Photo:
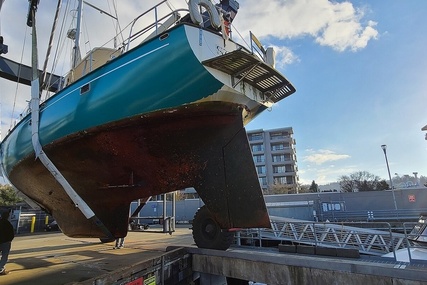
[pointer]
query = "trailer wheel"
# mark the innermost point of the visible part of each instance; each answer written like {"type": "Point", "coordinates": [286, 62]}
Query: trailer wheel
{"type": "Point", "coordinates": [207, 233]}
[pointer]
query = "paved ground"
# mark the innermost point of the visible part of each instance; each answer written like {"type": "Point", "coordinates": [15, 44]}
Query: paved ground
{"type": "Point", "coordinates": [53, 258]}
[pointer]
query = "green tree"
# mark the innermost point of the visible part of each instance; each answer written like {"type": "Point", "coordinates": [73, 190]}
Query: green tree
{"type": "Point", "coordinates": [314, 187]}
{"type": "Point", "coordinates": [8, 196]}
{"type": "Point", "coordinates": [362, 181]}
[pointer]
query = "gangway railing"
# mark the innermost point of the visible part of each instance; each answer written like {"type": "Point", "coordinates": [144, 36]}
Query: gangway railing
{"type": "Point", "coordinates": [363, 236]}
{"type": "Point", "coordinates": [416, 235]}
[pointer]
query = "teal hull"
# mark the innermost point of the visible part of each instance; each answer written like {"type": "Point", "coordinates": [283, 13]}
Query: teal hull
{"type": "Point", "coordinates": [139, 82]}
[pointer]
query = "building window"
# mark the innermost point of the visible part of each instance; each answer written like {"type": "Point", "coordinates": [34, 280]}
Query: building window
{"type": "Point", "coordinates": [278, 157]}
{"type": "Point", "coordinates": [280, 180]}
{"type": "Point", "coordinates": [279, 169]}
{"type": "Point", "coordinates": [259, 158]}
{"type": "Point", "coordinates": [260, 169]}
{"type": "Point", "coordinates": [281, 157]}
{"type": "Point", "coordinates": [289, 168]}
{"type": "Point", "coordinates": [257, 147]}
{"type": "Point", "coordinates": [255, 137]}
{"type": "Point", "coordinates": [262, 181]}
{"type": "Point", "coordinates": [280, 146]}
{"type": "Point", "coordinates": [284, 180]}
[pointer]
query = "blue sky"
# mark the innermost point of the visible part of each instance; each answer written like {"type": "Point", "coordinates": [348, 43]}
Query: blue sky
{"type": "Point", "coordinates": [359, 68]}
{"type": "Point", "coordinates": [350, 101]}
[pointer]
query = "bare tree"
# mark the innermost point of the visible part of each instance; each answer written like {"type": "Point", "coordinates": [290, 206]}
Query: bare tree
{"type": "Point", "coordinates": [362, 181]}
{"type": "Point", "coordinates": [303, 188]}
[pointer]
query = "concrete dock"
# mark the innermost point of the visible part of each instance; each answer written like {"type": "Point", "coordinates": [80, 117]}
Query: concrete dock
{"type": "Point", "coordinates": [53, 258]}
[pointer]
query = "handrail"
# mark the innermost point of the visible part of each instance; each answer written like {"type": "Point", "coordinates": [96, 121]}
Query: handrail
{"type": "Point", "coordinates": [149, 27]}
{"type": "Point", "coordinates": [414, 236]}
{"type": "Point", "coordinates": [257, 47]}
{"type": "Point", "coordinates": [139, 17]}
{"type": "Point", "coordinates": [155, 24]}
{"type": "Point", "coordinates": [345, 235]}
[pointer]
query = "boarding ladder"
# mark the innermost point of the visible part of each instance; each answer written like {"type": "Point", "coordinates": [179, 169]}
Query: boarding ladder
{"type": "Point", "coordinates": [366, 240]}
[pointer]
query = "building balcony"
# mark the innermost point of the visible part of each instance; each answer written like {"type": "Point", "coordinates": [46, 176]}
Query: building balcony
{"type": "Point", "coordinates": [283, 151]}
{"type": "Point", "coordinates": [255, 140]}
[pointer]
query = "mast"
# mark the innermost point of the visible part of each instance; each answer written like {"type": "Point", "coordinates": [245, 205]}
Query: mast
{"type": "Point", "coordinates": [76, 49]}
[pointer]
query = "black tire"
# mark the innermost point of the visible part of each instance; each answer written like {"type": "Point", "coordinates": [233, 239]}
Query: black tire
{"type": "Point", "coordinates": [107, 240]}
{"type": "Point", "coordinates": [207, 233]}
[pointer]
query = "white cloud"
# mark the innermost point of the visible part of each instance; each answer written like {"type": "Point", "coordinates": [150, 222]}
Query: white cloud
{"type": "Point", "coordinates": [324, 175]}
{"type": "Point", "coordinates": [284, 56]}
{"type": "Point", "coordinates": [322, 156]}
{"type": "Point", "coordinates": [342, 35]}
{"type": "Point", "coordinates": [334, 24]}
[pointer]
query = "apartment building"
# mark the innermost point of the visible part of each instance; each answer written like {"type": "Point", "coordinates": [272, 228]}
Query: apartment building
{"type": "Point", "coordinates": [274, 155]}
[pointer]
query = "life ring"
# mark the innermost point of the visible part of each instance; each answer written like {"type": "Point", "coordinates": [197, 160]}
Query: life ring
{"type": "Point", "coordinates": [196, 17]}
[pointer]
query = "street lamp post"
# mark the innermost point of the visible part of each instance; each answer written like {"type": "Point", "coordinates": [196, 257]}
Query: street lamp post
{"type": "Point", "coordinates": [384, 147]}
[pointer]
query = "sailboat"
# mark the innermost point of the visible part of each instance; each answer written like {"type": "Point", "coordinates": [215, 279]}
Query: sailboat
{"type": "Point", "coordinates": [164, 111]}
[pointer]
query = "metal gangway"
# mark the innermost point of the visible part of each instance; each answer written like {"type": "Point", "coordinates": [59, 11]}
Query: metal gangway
{"type": "Point", "coordinates": [371, 238]}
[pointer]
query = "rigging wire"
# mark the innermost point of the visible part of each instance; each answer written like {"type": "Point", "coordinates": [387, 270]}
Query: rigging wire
{"type": "Point", "coordinates": [119, 31]}
{"type": "Point", "coordinates": [86, 36]}
{"type": "Point", "coordinates": [241, 37]}
{"type": "Point", "coordinates": [19, 76]}
{"type": "Point", "coordinates": [59, 48]}
{"type": "Point", "coordinates": [116, 27]}
{"type": "Point", "coordinates": [115, 22]}
{"type": "Point", "coordinates": [44, 70]}
{"type": "Point", "coordinates": [63, 44]}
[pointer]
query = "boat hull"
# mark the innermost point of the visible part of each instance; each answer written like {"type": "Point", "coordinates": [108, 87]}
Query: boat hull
{"type": "Point", "coordinates": [200, 145]}
{"type": "Point", "coordinates": [151, 121]}
{"type": "Point", "coordinates": [151, 77]}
